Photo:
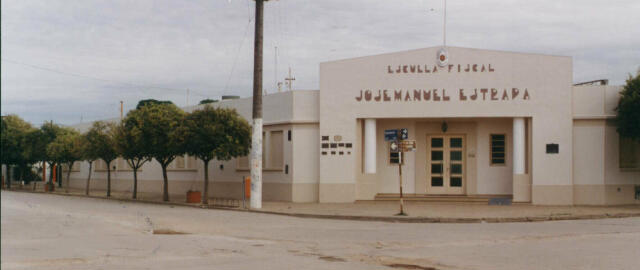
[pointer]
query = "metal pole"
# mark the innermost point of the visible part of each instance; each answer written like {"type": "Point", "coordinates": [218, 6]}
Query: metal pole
{"type": "Point", "coordinates": [401, 197]}
{"type": "Point", "coordinates": [256, 137]}
{"type": "Point", "coordinates": [444, 25]}
{"type": "Point", "coordinates": [244, 192]}
{"type": "Point", "coordinates": [275, 68]}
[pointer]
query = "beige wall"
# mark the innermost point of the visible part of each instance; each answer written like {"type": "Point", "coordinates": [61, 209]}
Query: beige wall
{"type": "Point", "coordinates": [588, 168]}
{"type": "Point", "coordinates": [494, 179]}
{"type": "Point", "coordinates": [586, 171]}
{"type": "Point", "coordinates": [480, 177]}
{"type": "Point", "coordinates": [292, 110]}
{"type": "Point", "coordinates": [598, 178]}
{"type": "Point", "coordinates": [549, 105]}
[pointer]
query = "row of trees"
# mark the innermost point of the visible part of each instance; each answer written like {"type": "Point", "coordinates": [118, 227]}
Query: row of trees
{"type": "Point", "coordinates": [155, 130]}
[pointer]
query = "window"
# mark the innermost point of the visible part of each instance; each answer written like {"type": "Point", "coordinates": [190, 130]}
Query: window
{"type": "Point", "coordinates": [242, 163]}
{"type": "Point", "coordinates": [100, 165]}
{"type": "Point", "coordinates": [183, 162]}
{"type": "Point", "coordinates": [74, 168]}
{"type": "Point", "coordinates": [274, 159]}
{"type": "Point", "coordinates": [629, 153]}
{"type": "Point", "coordinates": [498, 149]}
{"type": "Point", "coordinates": [272, 152]}
{"type": "Point", "coordinates": [179, 162]}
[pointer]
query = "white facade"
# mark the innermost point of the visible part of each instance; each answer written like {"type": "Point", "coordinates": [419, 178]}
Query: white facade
{"type": "Point", "coordinates": [488, 123]}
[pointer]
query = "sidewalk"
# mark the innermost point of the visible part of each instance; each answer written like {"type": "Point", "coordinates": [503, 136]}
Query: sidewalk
{"type": "Point", "coordinates": [418, 212]}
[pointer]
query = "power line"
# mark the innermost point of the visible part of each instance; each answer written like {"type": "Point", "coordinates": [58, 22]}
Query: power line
{"type": "Point", "coordinates": [244, 37]}
{"type": "Point", "coordinates": [97, 78]}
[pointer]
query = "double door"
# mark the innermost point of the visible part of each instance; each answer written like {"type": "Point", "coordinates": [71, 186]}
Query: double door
{"type": "Point", "coordinates": [446, 164]}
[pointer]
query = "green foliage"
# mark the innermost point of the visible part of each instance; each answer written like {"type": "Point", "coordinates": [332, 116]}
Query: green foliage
{"type": "Point", "coordinates": [207, 101]}
{"type": "Point", "coordinates": [13, 140]}
{"type": "Point", "coordinates": [628, 110]}
{"type": "Point", "coordinates": [146, 102]}
{"type": "Point", "coordinates": [35, 147]}
{"type": "Point", "coordinates": [88, 152]}
{"type": "Point", "coordinates": [66, 148]}
{"type": "Point", "coordinates": [100, 142]}
{"type": "Point", "coordinates": [216, 133]}
{"type": "Point", "coordinates": [159, 126]}
{"type": "Point", "coordinates": [48, 133]}
{"type": "Point", "coordinates": [130, 140]}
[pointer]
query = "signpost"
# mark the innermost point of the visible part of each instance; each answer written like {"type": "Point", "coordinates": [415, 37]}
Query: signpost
{"type": "Point", "coordinates": [390, 135]}
{"type": "Point", "coordinates": [400, 147]}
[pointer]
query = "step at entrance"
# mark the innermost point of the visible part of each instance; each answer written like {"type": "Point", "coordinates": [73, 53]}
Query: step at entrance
{"type": "Point", "coordinates": [440, 198]}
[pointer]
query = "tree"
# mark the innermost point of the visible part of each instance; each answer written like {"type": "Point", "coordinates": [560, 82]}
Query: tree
{"type": "Point", "coordinates": [66, 149]}
{"type": "Point", "coordinates": [101, 141]}
{"type": "Point", "coordinates": [215, 133]}
{"type": "Point", "coordinates": [89, 153]}
{"type": "Point", "coordinates": [145, 102]}
{"type": "Point", "coordinates": [628, 110]}
{"type": "Point", "coordinates": [160, 126]}
{"type": "Point", "coordinates": [207, 101]}
{"type": "Point", "coordinates": [13, 141]}
{"type": "Point", "coordinates": [130, 144]}
{"type": "Point", "coordinates": [35, 148]}
{"type": "Point", "coordinates": [50, 132]}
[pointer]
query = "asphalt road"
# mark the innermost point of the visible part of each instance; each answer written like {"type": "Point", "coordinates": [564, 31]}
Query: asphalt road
{"type": "Point", "coordinates": [41, 231]}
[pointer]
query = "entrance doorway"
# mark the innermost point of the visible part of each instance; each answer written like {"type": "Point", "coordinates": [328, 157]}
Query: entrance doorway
{"type": "Point", "coordinates": [446, 164]}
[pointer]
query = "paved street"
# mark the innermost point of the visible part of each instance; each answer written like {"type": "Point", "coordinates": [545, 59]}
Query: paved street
{"type": "Point", "coordinates": [41, 231]}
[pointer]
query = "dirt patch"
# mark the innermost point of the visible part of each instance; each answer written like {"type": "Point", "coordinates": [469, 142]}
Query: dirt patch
{"type": "Point", "coordinates": [167, 231]}
{"type": "Point", "coordinates": [331, 259]}
{"type": "Point", "coordinates": [410, 266]}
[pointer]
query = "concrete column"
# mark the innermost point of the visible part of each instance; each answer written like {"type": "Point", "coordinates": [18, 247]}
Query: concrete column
{"type": "Point", "coordinates": [521, 181]}
{"type": "Point", "coordinates": [370, 146]}
{"type": "Point", "coordinates": [518, 146]}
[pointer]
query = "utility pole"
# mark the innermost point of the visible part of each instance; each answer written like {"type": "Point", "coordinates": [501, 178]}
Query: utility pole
{"type": "Point", "coordinates": [121, 110]}
{"type": "Point", "coordinates": [290, 80]}
{"type": "Point", "coordinates": [256, 136]}
{"type": "Point", "coordinates": [275, 68]}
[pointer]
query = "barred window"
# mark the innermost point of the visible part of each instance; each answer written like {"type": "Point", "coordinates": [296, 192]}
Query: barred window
{"type": "Point", "coordinates": [498, 149]}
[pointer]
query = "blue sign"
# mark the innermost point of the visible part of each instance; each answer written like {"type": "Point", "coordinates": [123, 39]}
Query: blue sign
{"type": "Point", "coordinates": [404, 134]}
{"type": "Point", "coordinates": [391, 135]}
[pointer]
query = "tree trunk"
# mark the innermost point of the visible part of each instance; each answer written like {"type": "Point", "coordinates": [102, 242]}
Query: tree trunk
{"type": "Point", "coordinates": [165, 188]}
{"type": "Point", "coordinates": [9, 176]}
{"type": "Point", "coordinates": [109, 179]}
{"type": "Point", "coordinates": [68, 177]}
{"type": "Point", "coordinates": [205, 192]}
{"type": "Point", "coordinates": [51, 172]}
{"type": "Point", "coordinates": [86, 189]}
{"type": "Point", "coordinates": [59, 173]}
{"type": "Point", "coordinates": [135, 182]}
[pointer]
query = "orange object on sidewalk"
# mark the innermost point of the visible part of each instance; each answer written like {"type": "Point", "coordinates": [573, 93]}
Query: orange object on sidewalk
{"type": "Point", "coordinates": [194, 196]}
{"type": "Point", "coordinates": [54, 173]}
{"type": "Point", "coordinates": [247, 187]}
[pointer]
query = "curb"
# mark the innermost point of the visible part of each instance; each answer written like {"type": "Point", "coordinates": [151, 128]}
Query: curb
{"type": "Point", "coordinates": [358, 218]}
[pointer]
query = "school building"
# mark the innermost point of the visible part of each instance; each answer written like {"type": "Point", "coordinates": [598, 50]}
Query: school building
{"type": "Point", "coordinates": [485, 124]}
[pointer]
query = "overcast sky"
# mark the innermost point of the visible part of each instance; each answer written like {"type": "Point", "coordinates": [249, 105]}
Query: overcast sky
{"type": "Point", "coordinates": [69, 61]}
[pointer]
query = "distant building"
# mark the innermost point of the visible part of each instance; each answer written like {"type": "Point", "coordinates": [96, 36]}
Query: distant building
{"type": "Point", "coordinates": [486, 124]}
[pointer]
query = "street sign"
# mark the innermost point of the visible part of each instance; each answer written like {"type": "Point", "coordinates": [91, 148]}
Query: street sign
{"type": "Point", "coordinates": [404, 134]}
{"type": "Point", "coordinates": [407, 145]}
{"type": "Point", "coordinates": [391, 135]}
{"type": "Point", "coordinates": [393, 147]}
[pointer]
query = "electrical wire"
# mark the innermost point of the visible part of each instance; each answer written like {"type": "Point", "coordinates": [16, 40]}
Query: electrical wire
{"type": "Point", "coordinates": [97, 78]}
{"type": "Point", "coordinates": [235, 60]}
